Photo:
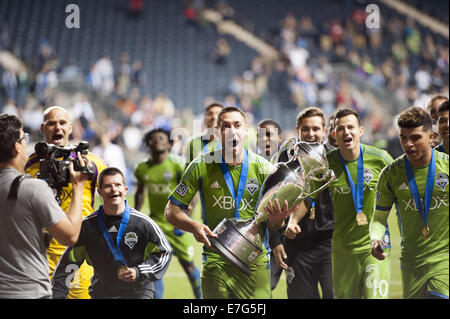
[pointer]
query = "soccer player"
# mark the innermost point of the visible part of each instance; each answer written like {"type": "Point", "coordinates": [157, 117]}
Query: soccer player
{"type": "Point", "coordinates": [356, 273]}
{"type": "Point", "coordinates": [208, 141]}
{"type": "Point", "coordinates": [307, 257]}
{"type": "Point", "coordinates": [56, 129]}
{"type": "Point", "coordinates": [443, 127]}
{"type": "Point", "coordinates": [417, 182]}
{"type": "Point", "coordinates": [269, 138]}
{"type": "Point", "coordinates": [433, 106]}
{"type": "Point", "coordinates": [126, 248]}
{"type": "Point", "coordinates": [159, 176]}
{"type": "Point", "coordinates": [229, 181]}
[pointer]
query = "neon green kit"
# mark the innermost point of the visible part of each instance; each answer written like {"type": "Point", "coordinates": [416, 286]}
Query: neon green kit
{"type": "Point", "coordinates": [356, 273]}
{"type": "Point", "coordinates": [424, 262]}
{"type": "Point", "coordinates": [221, 279]}
{"type": "Point", "coordinates": [160, 179]}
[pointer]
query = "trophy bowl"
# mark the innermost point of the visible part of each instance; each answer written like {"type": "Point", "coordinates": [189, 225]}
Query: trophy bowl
{"type": "Point", "coordinates": [239, 240]}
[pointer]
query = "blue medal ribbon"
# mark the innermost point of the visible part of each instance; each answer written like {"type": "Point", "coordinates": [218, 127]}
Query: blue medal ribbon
{"type": "Point", "coordinates": [114, 247]}
{"type": "Point", "coordinates": [358, 191]}
{"type": "Point", "coordinates": [242, 181]}
{"type": "Point", "coordinates": [422, 206]}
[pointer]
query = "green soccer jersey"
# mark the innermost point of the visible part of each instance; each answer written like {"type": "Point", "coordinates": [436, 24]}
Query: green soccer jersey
{"type": "Point", "coordinates": [393, 187]}
{"type": "Point", "coordinates": [347, 234]}
{"type": "Point", "coordinates": [205, 175]}
{"type": "Point", "coordinates": [159, 180]}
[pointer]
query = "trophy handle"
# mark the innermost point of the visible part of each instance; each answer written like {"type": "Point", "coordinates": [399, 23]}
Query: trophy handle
{"type": "Point", "coordinates": [328, 173]}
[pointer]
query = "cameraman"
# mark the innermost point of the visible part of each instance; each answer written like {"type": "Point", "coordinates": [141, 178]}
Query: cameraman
{"type": "Point", "coordinates": [26, 210]}
{"type": "Point", "coordinates": [56, 129]}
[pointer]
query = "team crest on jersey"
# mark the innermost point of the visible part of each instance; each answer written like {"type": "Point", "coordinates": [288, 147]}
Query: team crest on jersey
{"type": "Point", "coordinates": [378, 198]}
{"type": "Point", "coordinates": [181, 189]}
{"type": "Point", "coordinates": [368, 175]}
{"type": "Point", "coordinates": [167, 175]}
{"type": "Point", "coordinates": [131, 239]}
{"type": "Point", "coordinates": [252, 185]}
{"type": "Point", "coordinates": [442, 180]}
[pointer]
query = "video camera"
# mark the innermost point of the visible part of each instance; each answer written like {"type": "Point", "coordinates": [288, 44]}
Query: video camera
{"type": "Point", "coordinates": [54, 164]}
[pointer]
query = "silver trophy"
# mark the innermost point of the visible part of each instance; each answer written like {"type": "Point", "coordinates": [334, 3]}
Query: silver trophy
{"type": "Point", "coordinates": [239, 240]}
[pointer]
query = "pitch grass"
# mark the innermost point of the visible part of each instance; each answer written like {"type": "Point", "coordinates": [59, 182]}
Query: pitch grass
{"type": "Point", "coordinates": [177, 285]}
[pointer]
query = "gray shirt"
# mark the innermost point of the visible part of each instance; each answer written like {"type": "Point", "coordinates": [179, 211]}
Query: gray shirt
{"type": "Point", "coordinates": [24, 271]}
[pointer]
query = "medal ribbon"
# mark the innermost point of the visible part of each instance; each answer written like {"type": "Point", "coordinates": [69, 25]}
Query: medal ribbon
{"type": "Point", "coordinates": [114, 247]}
{"type": "Point", "coordinates": [423, 211]}
{"type": "Point", "coordinates": [242, 180]}
{"type": "Point", "coordinates": [358, 191]}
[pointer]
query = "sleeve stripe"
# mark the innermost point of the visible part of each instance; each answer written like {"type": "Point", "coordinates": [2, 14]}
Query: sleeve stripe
{"type": "Point", "coordinates": [178, 203]}
{"type": "Point", "coordinates": [382, 208]}
{"type": "Point", "coordinates": [164, 242]}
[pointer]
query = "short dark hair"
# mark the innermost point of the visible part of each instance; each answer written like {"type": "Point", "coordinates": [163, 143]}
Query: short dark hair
{"type": "Point", "coordinates": [434, 98]}
{"type": "Point", "coordinates": [443, 107]}
{"type": "Point", "coordinates": [343, 112]}
{"type": "Point", "coordinates": [414, 117]}
{"type": "Point", "coordinates": [228, 109]}
{"type": "Point", "coordinates": [310, 112]}
{"type": "Point", "coordinates": [149, 134]}
{"type": "Point", "coordinates": [109, 171]}
{"type": "Point", "coordinates": [10, 126]}
{"type": "Point", "coordinates": [213, 105]}
{"type": "Point", "coordinates": [270, 122]}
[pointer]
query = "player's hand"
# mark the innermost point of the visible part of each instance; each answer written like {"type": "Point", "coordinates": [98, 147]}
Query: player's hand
{"type": "Point", "coordinates": [277, 215]}
{"type": "Point", "coordinates": [129, 275]}
{"type": "Point", "coordinates": [200, 234]}
{"type": "Point", "coordinates": [377, 249]}
{"type": "Point", "coordinates": [280, 256]}
{"type": "Point", "coordinates": [78, 178]}
{"type": "Point", "coordinates": [292, 230]}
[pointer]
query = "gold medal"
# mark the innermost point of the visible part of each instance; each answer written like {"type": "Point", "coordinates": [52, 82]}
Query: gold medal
{"type": "Point", "coordinates": [361, 219]}
{"type": "Point", "coordinates": [425, 232]}
{"type": "Point", "coordinates": [121, 271]}
{"type": "Point", "coordinates": [312, 213]}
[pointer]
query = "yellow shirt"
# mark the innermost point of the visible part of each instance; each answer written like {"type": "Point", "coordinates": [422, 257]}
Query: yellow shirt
{"type": "Point", "coordinates": [33, 166]}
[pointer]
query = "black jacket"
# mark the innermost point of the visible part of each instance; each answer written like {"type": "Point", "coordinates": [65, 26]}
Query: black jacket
{"type": "Point", "coordinates": [144, 247]}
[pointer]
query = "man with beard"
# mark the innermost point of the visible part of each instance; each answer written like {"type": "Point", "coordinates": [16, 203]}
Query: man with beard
{"type": "Point", "coordinates": [159, 176]}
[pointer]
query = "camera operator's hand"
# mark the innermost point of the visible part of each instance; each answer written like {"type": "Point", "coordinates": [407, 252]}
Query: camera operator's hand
{"type": "Point", "coordinates": [76, 177]}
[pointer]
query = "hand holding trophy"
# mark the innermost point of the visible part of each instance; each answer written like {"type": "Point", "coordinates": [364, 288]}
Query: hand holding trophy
{"type": "Point", "coordinates": [285, 187]}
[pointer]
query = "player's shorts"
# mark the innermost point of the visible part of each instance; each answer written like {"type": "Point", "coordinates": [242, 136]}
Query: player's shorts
{"type": "Point", "coordinates": [222, 280]}
{"type": "Point", "coordinates": [182, 242]}
{"type": "Point", "coordinates": [430, 278]}
{"type": "Point", "coordinates": [79, 288]}
{"type": "Point", "coordinates": [360, 276]}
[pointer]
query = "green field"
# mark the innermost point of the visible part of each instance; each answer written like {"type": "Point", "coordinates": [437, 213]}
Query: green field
{"type": "Point", "coordinates": [177, 284]}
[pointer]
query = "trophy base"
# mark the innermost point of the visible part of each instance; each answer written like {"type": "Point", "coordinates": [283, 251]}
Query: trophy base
{"type": "Point", "coordinates": [229, 255]}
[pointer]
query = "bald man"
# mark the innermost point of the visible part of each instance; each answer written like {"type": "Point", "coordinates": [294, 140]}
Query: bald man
{"type": "Point", "coordinates": [56, 128]}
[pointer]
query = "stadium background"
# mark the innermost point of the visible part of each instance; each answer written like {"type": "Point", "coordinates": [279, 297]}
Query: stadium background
{"type": "Point", "coordinates": [134, 65]}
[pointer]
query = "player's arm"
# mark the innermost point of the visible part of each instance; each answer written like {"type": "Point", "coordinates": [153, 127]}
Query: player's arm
{"type": "Point", "coordinates": [139, 196]}
{"type": "Point", "coordinates": [293, 228]}
{"type": "Point", "coordinates": [156, 263]}
{"type": "Point", "coordinates": [276, 215]}
{"type": "Point", "coordinates": [382, 207]}
{"type": "Point", "coordinates": [65, 271]}
{"type": "Point", "coordinates": [67, 230]}
{"type": "Point", "coordinates": [177, 217]}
